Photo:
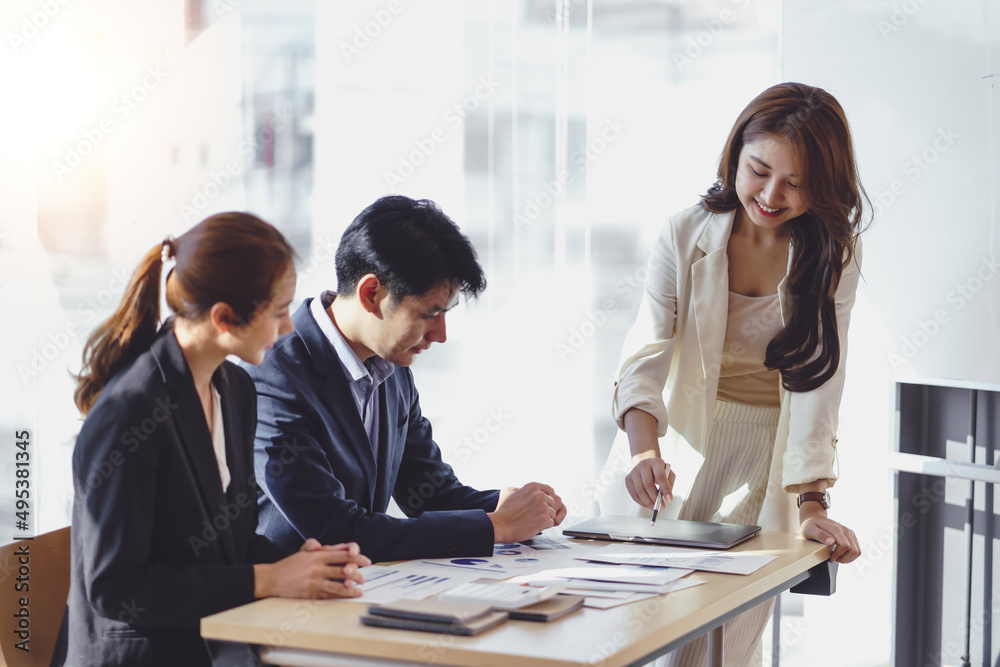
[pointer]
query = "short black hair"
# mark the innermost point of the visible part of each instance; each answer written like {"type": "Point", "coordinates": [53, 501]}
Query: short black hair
{"type": "Point", "coordinates": [411, 246]}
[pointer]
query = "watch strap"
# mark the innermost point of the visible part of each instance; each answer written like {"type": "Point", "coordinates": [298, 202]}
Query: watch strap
{"type": "Point", "coordinates": [818, 496]}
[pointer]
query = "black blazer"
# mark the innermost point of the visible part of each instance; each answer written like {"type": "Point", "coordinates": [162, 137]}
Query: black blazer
{"type": "Point", "coordinates": [156, 544]}
{"type": "Point", "coordinates": [319, 476]}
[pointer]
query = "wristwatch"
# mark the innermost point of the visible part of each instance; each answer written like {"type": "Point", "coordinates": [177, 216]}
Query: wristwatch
{"type": "Point", "coordinates": [822, 497]}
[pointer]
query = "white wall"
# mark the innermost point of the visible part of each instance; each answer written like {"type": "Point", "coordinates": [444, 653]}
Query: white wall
{"type": "Point", "coordinates": [918, 81]}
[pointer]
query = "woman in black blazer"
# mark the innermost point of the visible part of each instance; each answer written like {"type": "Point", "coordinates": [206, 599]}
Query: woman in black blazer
{"type": "Point", "coordinates": [165, 509]}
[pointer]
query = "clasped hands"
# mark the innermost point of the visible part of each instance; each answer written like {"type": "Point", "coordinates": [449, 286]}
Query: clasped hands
{"type": "Point", "coordinates": [524, 511]}
{"type": "Point", "coordinates": [316, 571]}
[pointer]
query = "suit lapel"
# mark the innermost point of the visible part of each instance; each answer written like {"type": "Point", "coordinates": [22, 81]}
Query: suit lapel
{"type": "Point", "coordinates": [236, 442]}
{"type": "Point", "coordinates": [339, 401]}
{"type": "Point", "coordinates": [710, 294]}
{"type": "Point", "coordinates": [195, 441]}
{"type": "Point", "coordinates": [336, 393]}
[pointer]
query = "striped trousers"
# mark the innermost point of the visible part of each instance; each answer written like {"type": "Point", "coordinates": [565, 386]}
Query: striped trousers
{"type": "Point", "coordinates": [729, 488]}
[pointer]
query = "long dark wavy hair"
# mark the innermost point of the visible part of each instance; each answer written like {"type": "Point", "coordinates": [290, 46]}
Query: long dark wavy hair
{"type": "Point", "coordinates": [807, 349]}
{"type": "Point", "coordinates": [234, 258]}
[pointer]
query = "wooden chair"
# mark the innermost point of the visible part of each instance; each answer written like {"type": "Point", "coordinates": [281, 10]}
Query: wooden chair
{"type": "Point", "coordinates": [48, 580]}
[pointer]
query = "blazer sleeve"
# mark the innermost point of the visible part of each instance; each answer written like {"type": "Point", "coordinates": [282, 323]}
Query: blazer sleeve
{"type": "Point", "coordinates": [260, 548]}
{"type": "Point", "coordinates": [117, 497]}
{"type": "Point", "coordinates": [811, 452]}
{"type": "Point", "coordinates": [425, 483]}
{"type": "Point", "coordinates": [304, 482]}
{"type": "Point", "coordinates": [649, 345]}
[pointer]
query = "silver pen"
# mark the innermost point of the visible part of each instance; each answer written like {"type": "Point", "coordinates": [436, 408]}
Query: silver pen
{"type": "Point", "coordinates": [659, 497]}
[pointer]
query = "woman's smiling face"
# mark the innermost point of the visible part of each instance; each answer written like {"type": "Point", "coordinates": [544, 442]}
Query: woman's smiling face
{"type": "Point", "coordinates": [767, 182]}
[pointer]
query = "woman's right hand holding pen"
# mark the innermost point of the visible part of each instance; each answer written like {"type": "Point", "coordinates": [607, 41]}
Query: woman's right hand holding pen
{"type": "Point", "coordinates": [649, 472]}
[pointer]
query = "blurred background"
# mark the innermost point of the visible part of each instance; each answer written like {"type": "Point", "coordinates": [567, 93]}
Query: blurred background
{"type": "Point", "coordinates": [559, 134]}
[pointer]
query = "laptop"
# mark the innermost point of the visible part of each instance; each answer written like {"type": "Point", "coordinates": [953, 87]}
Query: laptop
{"type": "Point", "coordinates": [671, 532]}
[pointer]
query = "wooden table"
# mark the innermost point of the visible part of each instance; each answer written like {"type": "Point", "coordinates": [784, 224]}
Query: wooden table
{"type": "Point", "coordinates": [328, 632]}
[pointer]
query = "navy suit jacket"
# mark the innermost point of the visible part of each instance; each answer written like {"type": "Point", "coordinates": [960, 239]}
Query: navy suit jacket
{"type": "Point", "coordinates": [156, 543]}
{"type": "Point", "coordinates": [318, 474]}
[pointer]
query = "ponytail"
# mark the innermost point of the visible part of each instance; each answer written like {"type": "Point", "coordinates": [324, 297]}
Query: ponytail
{"type": "Point", "coordinates": [233, 258]}
{"type": "Point", "coordinates": [127, 333]}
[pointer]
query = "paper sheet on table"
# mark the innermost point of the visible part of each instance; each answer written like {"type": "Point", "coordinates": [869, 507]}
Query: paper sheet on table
{"type": "Point", "coordinates": [727, 562]}
{"type": "Point", "coordinates": [585, 584]}
{"type": "Point", "coordinates": [537, 546]}
{"type": "Point", "coordinates": [409, 581]}
{"type": "Point", "coordinates": [657, 576]}
{"type": "Point", "coordinates": [607, 578]}
{"type": "Point", "coordinates": [595, 602]}
{"type": "Point", "coordinates": [591, 592]}
{"type": "Point", "coordinates": [517, 557]}
{"type": "Point", "coordinates": [486, 568]}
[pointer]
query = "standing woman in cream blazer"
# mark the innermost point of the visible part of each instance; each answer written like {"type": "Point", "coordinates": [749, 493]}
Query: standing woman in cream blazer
{"type": "Point", "coordinates": [741, 339]}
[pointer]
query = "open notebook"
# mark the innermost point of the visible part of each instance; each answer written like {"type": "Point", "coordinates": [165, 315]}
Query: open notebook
{"type": "Point", "coordinates": [672, 532]}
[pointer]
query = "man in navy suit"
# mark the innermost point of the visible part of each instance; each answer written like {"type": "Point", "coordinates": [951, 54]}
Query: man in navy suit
{"type": "Point", "coordinates": [339, 427]}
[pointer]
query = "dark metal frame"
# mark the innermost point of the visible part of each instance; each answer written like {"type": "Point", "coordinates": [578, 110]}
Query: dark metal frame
{"type": "Point", "coordinates": [927, 416]}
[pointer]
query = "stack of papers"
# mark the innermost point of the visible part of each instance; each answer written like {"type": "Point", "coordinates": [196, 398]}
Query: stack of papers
{"type": "Point", "coordinates": [608, 599]}
{"type": "Point", "coordinates": [600, 577]}
{"type": "Point", "coordinates": [607, 576]}
{"type": "Point", "coordinates": [607, 586]}
{"type": "Point", "coordinates": [515, 558]}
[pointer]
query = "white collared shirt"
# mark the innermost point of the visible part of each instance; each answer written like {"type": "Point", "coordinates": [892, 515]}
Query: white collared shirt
{"type": "Point", "coordinates": [364, 378]}
{"type": "Point", "coordinates": [219, 438]}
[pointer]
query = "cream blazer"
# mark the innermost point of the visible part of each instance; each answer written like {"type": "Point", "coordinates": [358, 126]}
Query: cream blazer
{"type": "Point", "coordinates": [673, 355]}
